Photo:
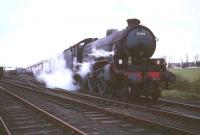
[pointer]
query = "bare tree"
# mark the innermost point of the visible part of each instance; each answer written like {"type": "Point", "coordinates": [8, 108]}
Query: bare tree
{"type": "Point", "coordinates": [196, 58]}
{"type": "Point", "coordinates": [169, 62]}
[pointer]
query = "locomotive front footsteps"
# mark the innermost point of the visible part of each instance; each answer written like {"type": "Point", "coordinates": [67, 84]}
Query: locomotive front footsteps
{"type": "Point", "coordinates": [126, 70]}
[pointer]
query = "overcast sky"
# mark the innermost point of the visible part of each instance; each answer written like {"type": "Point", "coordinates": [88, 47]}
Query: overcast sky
{"type": "Point", "coordinates": [33, 30]}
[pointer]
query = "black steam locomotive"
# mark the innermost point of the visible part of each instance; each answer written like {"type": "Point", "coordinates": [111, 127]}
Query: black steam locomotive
{"type": "Point", "coordinates": [129, 72]}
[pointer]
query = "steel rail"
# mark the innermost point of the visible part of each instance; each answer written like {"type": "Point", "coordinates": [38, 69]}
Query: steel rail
{"type": "Point", "coordinates": [58, 121]}
{"type": "Point", "coordinates": [128, 117]}
{"type": "Point", "coordinates": [182, 115]}
{"type": "Point", "coordinates": [5, 126]}
{"type": "Point", "coordinates": [189, 106]}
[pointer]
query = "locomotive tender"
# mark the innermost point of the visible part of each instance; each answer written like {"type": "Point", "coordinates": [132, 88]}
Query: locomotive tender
{"type": "Point", "coordinates": [129, 72]}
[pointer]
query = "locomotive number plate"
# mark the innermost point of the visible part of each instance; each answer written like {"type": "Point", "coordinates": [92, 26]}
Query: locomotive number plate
{"type": "Point", "coordinates": [139, 33]}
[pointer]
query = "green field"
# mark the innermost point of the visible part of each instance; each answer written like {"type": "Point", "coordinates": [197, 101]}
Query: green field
{"type": "Point", "coordinates": [188, 74]}
{"type": "Point", "coordinates": [187, 85]}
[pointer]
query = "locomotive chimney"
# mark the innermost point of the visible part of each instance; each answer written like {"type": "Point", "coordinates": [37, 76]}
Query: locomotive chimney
{"type": "Point", "coordinates": [133, 22]}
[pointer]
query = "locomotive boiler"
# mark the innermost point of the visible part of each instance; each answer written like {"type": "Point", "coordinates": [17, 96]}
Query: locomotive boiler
{"type": "Point", "coordinates": [127, 72]}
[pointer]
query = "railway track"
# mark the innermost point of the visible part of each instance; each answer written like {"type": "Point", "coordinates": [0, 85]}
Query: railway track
{"type": "Point", "coordinates": [173, 115]}
{"type": "Point", "coordinates": [178, 104]}
{"type": "Point", "coordinates": [89, 118]}
{"type": "Point", "coordinates": [175, 122]}
{"type": "Point", "coordinates": [3, 127]}
{"type": "Point", "coordinates": [165, 105]}
{"type": "Point", "coordinates": [161, 103]}
{"type": "Point", "coordinates": [173, 108]}
{"type": "Point", "coordinates": [19, 116]}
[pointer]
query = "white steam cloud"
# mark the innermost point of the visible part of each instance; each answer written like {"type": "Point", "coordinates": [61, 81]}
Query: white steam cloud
{"type": "Point", "coordinates": [101, 53]}
{"type": "Point", "coordinates": [56, 75]}
{"type": "Point", "coordinates": [59, 77]}
{"type": "Point", "coordinates": [84, 68]}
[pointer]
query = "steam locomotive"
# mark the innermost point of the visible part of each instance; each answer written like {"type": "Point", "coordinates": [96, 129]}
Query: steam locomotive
{"type": "Point", "coordinates": [127, 72]}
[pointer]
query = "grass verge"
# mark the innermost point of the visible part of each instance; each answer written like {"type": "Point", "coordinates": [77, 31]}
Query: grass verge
{"type": "Point", "coordinates": [181, 95]}
{"type": "Point", "coordinates": [187, 85]}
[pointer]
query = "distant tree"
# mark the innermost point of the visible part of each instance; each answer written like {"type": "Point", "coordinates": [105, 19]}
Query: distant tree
{"type": "Point", "coordinates": [196, 60]}
{"type": "Point", "coordinates": [186, 64]}
{"type": "Point", "coordinates": [169, 62]}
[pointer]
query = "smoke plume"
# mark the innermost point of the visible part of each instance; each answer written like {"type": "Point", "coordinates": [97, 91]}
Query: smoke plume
{"type": "Point", "coordinates": [56, 75]}
{"type": "Point", "coordinates": [59, 76]}
{"type": "Point", "coordinates": [101, 53]}
{"type": "Point", "coordinates": [85, 68]}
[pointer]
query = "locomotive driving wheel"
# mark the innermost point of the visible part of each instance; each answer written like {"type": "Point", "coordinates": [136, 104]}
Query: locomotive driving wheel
{"type": "Point", "coordinates": [102, 86]}
{"type": "Point", "coordinates": [156, 93]}
{"type": "Point", "coordinates": [90, 84]}
{"type": "Point", "coordinates": [130, 92]}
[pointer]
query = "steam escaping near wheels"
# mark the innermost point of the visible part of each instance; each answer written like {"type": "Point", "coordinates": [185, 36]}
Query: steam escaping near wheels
{"type": "Point", "coordinates": [57, 77]}
{"type": "Point", "coordinates": [55, 74]}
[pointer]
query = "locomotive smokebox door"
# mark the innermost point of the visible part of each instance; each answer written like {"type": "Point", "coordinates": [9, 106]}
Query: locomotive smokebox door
{"type": "Point", "coordinates": [140, 43]}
